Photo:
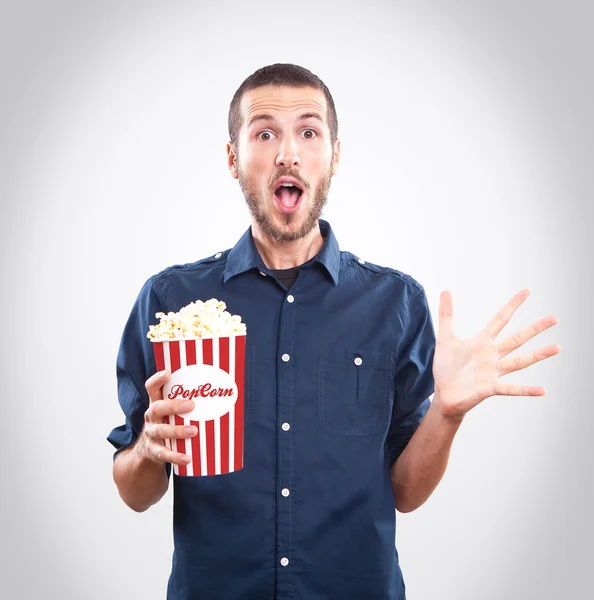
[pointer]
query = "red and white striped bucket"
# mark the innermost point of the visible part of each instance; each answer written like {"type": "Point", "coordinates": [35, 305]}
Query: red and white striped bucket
{"type": "Point", "coordinates": [209, 371]}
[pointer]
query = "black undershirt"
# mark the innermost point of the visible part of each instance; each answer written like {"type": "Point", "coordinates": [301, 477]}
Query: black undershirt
{"type": "Point", "coordinates": [289, 276]}
{"type": "Point", "coordinates": [286, 276]}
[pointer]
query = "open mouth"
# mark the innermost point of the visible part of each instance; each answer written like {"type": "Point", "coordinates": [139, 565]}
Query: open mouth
{"type": "Point", "coordinates": [288, 197]}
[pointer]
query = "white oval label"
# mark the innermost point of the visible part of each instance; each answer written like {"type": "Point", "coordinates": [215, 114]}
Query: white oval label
{"type": "Point", "coordinates": [213, 391]}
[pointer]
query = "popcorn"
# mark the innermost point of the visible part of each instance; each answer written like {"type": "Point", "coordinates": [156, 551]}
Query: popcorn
{"type": "Point", "coordinates": [196, 320]}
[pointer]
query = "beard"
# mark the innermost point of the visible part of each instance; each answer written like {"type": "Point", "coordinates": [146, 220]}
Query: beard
{"type": "Point", "coordinates": [257, 205]}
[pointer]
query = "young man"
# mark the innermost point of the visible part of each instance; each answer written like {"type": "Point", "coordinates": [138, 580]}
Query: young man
{"type": "Point", "coordinates": [341, 362]}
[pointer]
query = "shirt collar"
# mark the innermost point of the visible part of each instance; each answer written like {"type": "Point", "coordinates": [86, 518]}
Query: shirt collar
{"type": "Point", "coordinates": [245, 256]}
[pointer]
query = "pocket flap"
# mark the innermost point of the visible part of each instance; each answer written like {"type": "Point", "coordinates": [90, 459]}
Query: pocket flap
{"type": "Point", "coordinates": [375, 359]}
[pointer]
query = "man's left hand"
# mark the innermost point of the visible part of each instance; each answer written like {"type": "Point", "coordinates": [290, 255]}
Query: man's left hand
{"type": "Point", "coordinates": [468, 371]}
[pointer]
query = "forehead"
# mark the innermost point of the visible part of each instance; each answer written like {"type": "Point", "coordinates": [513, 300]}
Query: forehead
{"type": "Point", "coordinates": [282, 102]}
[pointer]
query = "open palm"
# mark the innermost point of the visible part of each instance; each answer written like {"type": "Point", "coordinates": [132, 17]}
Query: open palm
{"type": "Point", "coordinates": [468, 371]}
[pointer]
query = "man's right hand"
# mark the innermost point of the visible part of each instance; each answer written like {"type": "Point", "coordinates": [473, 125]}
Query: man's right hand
{"type": "Point", "coordinates": [151, 442]}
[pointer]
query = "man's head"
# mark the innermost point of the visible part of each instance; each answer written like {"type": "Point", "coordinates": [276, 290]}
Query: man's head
{"type": "Point", "coordinates": [283, 123]}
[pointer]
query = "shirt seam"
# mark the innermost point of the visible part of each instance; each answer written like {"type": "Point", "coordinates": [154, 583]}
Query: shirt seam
{"type": "Point", "coordinates": [371, 268]}
{"type": "Point", "coordinates": [152, 289]}
{"type": "Point", "coordinates": [420, 296]}
{"type": "Point", "coordinates": [161, 281]}
{"type": "Point", "coordinates": [200, 264]}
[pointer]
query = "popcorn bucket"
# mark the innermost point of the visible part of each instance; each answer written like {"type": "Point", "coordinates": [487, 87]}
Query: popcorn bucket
{"type": "Point", "coordinates": [210, 372]}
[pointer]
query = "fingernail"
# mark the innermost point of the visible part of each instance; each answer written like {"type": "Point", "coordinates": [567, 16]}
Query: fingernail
{"type": "Point", "coordinates": [185, 405]}
{"type": "Point", "coordinates": [190, 430]}
{"type": "Point", "coordinates": [163, 374]}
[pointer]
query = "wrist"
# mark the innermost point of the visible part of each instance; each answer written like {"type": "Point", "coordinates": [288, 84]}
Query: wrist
{"type": "Point", "coordinates": [447, 415]}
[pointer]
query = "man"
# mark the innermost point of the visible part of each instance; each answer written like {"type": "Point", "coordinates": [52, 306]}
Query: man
{"type": "Point", "coordinates": [341, 362]}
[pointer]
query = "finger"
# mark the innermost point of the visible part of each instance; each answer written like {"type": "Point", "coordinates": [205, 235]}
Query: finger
{"type": "Point", "coordinates": [162, 431]}
{"type": "Point", "coordinates": [518, 339]}
{"type": "Point", "coordinates": [165, 455]}
{"type": "Point", "coordinates": [525, 360]}
{"type": "Point", "coordinates": [510, 389]}
{"type": "Point", "coordinates": [501, 319]}
{"type": "Point", "coordinates": [160, 409]}
{"type": "Point", "coordinates": [446, 315]}
{"type": "Point", "coordinates": [154, 384]}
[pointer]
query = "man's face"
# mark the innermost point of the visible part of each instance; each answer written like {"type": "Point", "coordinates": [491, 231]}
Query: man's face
{"type": "Point", "coordinates": [289, 142]}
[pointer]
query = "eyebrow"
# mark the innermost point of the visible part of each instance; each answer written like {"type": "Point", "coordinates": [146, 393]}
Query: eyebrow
{"type": "Point", "coordinates": [267, 117]}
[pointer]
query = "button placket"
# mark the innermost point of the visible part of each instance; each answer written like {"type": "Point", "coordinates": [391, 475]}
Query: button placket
{"type": "Point", "coordinates": [285, 403]}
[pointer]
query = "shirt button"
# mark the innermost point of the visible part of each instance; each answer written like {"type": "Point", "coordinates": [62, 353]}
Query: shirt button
{"type": "Point", "coordinates": [290, 298]}
{"type": "Point", "coordinates": [361, 261]}
{"type": "Point", "coordinates": [262, 273]}
{"type": "Point", "coordinates": [284, 561]}
{"type": "Point", "coordinates": [285, 492]}
{"type": "Point", "coordinates": [218, 255]}
{"type": "Point", "coordinates": [358, 361]}
{"type": "Point", "coordinates": [286, 358]}
{"type": "Point", "coordinates": [286, 427]}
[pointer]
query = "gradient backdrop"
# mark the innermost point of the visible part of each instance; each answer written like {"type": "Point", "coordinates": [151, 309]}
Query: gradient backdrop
{"type": "Point", "coordinates": [466, 132]}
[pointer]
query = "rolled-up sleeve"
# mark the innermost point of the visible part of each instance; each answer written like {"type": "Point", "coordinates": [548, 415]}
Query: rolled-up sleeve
{"type": "Point", "coordinates": [134, 365]}
{"type": "Point", "coordinates": [413, 379]}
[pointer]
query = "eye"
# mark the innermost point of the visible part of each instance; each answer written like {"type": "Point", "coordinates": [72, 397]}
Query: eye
{"type": "Point", "coordinates": [263, 133]}
{"type": "Point", "coordinates": [310, 137]}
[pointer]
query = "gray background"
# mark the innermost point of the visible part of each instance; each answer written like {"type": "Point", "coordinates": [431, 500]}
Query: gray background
{"type": "Point", "coordinates": [466, 132]}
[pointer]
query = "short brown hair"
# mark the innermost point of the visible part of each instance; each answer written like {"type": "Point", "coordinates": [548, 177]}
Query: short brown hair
{"type": "Point", "coordinates": [280, 74]}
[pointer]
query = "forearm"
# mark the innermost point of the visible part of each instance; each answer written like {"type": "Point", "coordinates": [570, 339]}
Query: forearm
{"type": "Point", "coordinates": [419, 469]}
{"type": "Point", "coordinates": [141, 482]}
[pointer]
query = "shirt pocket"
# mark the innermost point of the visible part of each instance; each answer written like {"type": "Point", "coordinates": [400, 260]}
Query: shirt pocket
{"type": "Point", "coordinates": [355, 391]}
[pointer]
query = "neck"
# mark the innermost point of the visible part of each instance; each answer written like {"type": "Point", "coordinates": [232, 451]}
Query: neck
{"type": "Point", "coordinates": [284, 255]}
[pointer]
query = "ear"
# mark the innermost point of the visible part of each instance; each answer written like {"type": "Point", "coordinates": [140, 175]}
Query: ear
{"type": "Point", "coordinates": [232, 159]}
{"type": "Point", "coordinates": [335, 156]}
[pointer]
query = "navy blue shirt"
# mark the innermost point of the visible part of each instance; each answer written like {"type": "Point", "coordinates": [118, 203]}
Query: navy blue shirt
{"type": "Point", "coordinates": [338, 377]}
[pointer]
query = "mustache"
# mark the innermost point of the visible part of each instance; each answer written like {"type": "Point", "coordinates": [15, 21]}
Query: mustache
{"type": "Point", "coordinates": [303, 184]}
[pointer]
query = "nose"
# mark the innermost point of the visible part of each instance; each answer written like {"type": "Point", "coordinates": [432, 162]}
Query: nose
{"type": "Point", "coordinates": [287, 153]}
